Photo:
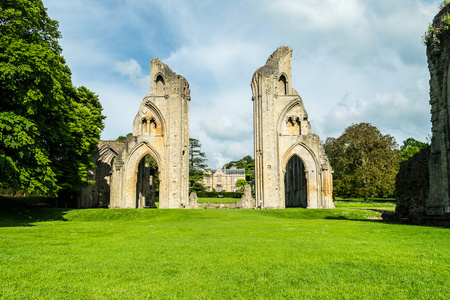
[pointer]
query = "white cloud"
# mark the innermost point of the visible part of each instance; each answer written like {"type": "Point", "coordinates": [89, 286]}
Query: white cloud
{"type": "Point", "coordinates": [389, 112]}
{"type": "Point", "coordinates": [218, 160]}
{"type": "Point", "coordinates": [133, 70]}
{"type": "Point", "coordinates": [222, 128]}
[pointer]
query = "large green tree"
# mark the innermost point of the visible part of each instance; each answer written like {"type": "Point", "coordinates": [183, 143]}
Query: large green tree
{"type": "Point", "coordinates": [365, 162]}
{"type": "Point", "coordinates": [48, 128]}
{"type": "Point", "coordinates": [241, 183]}
{"type": "Point", "coordinates": [197, 166]}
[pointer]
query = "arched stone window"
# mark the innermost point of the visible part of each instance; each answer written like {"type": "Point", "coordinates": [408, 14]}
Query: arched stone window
{"type": "Point", "coordinates": [282, 85]}
{"type": "Point", "coordinates": [153, 126]}
{"type": "Point", "coordinates": [160, 86]}
{"type": "Point", "coordinates": [144, 129]}
{"type": "Point", "coordinates": [293, 126]}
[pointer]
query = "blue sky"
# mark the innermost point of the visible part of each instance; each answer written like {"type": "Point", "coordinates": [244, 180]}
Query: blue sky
{"type": "Point", "coordinates": [353, 61]}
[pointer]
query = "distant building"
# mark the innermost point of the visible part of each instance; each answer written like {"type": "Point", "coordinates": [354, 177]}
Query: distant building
{"type": "Point", "coordinates": [223, 180]}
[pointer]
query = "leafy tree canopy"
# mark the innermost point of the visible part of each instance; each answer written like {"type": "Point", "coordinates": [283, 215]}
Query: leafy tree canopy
{"type": "Point", "coordinates": [365, 162]}
{"type": "Point", "coordinates": [197, 166]}
{"type": "Point", "coordinates": [123, 138]}
{"type": "Point", "coordinates": [48, 128]}
{"type": "Point", "coordinates": [241, 183]}
{"type": "Point", "coordinates": [410, 147]}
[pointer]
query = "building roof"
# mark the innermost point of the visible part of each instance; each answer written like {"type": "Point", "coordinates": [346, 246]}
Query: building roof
{"type": "Point", "coordinates": [230, 171]}
{"type": "Point", "coordinates": [235, 171]}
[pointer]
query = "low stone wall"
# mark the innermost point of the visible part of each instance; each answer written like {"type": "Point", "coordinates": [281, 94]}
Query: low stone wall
{"type": "Point", "coordinates": [217, 205]}
{"type": "Point", "coordinates": [412, 193]}
{"type": "Point", "coordinates": [412, 188]}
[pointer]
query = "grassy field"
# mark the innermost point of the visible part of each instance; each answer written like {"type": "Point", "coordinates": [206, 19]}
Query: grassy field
{"type": "Point", "coordinates": [356, 203]}
{"type": "Point", "coordinates": [374, 203]}
{"type": "Point", "coordinates": [218, 254]}
{"type": "Point", "coordinates": [218, 200]}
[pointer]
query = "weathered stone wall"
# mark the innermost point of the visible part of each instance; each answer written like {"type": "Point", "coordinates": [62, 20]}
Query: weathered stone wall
{"type": "Point", "coordinates": [247, 201]}
{"type": "Point", "coordinates": [422, 184]}
{"type": "Point", "coordinates": [161, 130]}
{"type": "Point", "coordinates": [412, 187]}
{"type": "Point", "coordinates": [193, 201]}
{"type": "Point", "coordinates": [438, 54]}
{"type": "Point", "coordinates": [281, 131]}
{"type": "Point", "coordinates": [99, 194]}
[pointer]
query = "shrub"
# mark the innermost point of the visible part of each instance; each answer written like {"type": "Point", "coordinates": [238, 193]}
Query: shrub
{"type": "Point", "coordinates": [237, 194]}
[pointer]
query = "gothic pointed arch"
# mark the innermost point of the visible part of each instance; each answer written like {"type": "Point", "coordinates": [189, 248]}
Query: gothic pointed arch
{"type": "Point", "coordinates": [132, 167]}
{"type": "Point", "coordinates": [305, 153]}
{"type": "Point", "coordinates": [144, 126]}
{"type": "Point", "coordinates": [306, 178]}
{"type": "Point", "coordinates": [282, 85]}
{"type": "Point", "coordinates": [156, 116]}
{"type": "Point", "coordinates": [295, 183]}
{"type": "Point", "coordinates": [98, 194]}
{"type": "Point", "coordinates": [142, 149]}
{"type": "Point", "coordinates": [293, 119]}
{"type": "Point", "coordinates": [160, 85]}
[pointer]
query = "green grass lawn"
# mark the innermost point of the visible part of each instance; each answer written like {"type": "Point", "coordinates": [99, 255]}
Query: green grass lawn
{"type": "Point", "coordinates": [374, 203]}
{"type": "Point", "coordinates": [361, 205]}
{"type": "Point", "coordinates": [218, 254]}
{"type": "Point", "coordinates": [218, 200]}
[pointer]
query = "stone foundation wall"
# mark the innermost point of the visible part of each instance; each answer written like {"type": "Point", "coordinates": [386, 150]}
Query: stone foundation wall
{"type": "Point", "coordinates": [412, 187]}
{"type": "Point", "coordinates": [437, 205]}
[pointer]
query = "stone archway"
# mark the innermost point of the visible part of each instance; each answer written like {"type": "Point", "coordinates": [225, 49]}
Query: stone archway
{"type": "Point", "coordinates": [315, 178]}
{"type": "Point", "coordinates": [146, 180]}
{"type": "Point", "coordinates": [128, 176]}
{"type": "Point", "coordinates": [99, 194]}
{"type": "Point", "coordinates": [160, 129]}
{"type": "Point", "coordinates": [295, 183]}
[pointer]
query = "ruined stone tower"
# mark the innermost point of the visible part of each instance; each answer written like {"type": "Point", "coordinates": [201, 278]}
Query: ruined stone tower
{"type": "Point", "coordinates": [422, 184]}
{"type": "Point", "coordinates": [438, 54]}
{"type": "Point", "coordinates": [161, 130]}
{"type": "Point", "coordinates": [291, 167]}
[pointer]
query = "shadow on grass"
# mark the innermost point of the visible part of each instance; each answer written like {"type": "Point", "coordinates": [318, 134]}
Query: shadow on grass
{"type": "Point", "coordinates": [344, 218]}
{"type": "Point", "coordinates": [339, 214]}
{"type": "Point", "coordinates": [17, 214]}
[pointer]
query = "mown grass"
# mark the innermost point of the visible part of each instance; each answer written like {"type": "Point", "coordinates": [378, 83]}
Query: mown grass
{"type": "Point", "coordinates": [218, 254]}
{"type": "Point", "coordinates": [218, 200]}
{"type": "Point", "coordinates": [374, 203]}
{"type": "Point", "coordinates": [371, 200]}
{"type": "Point", "coordinates": [362, 205]}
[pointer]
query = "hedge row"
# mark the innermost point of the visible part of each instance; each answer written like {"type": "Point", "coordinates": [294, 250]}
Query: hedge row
{"type": "Point", "coordinates": [216, 194]}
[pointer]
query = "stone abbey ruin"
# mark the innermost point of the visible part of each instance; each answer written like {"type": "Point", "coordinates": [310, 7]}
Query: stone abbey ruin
{"type": "Point", "coordinates": [161, 130]}
{"type": "Point", "coordinates": [423, 194]}
{"type": "Point", "coordinates": [291, 168]}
